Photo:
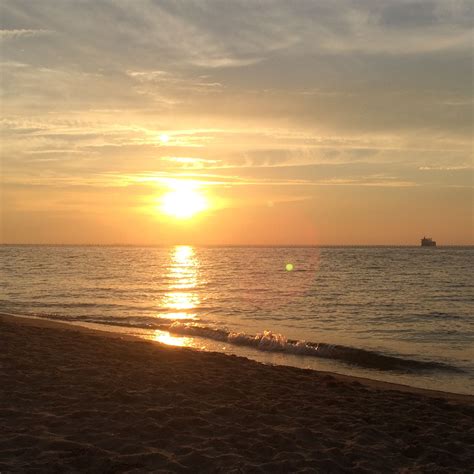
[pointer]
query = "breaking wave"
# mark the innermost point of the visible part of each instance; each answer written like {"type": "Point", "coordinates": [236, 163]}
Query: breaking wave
{"type": "Point", "coordinates": [271, 342]}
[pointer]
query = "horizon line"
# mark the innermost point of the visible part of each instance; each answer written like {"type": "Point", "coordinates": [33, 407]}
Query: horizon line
{"type": "Point", "coordinates": [8, 244]}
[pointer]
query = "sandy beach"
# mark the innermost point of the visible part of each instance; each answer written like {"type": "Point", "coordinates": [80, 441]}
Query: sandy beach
{"type": "Point", "coordinates": [78, 400]}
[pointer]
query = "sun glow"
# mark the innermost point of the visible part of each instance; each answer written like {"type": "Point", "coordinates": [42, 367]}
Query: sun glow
{"type": "Point", "coordinates": [184, 202]}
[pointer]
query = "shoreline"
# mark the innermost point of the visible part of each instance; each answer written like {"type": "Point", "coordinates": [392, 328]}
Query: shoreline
{"type": "Point", "coordinates": [75, 399]}
{"type": "Point", "coordinates": [373, 383]}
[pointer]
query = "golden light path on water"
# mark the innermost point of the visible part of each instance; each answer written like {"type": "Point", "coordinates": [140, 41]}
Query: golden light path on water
{"type": "Point", "coordinates": [181, 299]}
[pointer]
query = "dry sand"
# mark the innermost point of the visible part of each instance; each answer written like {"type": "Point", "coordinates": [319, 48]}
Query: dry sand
{"type": "Point", "coordinates": [76, 400]}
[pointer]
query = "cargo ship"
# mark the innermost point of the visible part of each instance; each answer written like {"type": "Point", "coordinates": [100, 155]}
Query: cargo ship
{"type": "Point", "coordinates": [428, 242]}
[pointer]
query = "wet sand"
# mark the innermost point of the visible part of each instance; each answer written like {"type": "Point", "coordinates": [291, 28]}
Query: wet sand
{"type": "Point", "coordinates": [73, 399]}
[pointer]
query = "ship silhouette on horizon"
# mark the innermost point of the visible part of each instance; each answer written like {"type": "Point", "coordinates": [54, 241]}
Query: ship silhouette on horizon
{"type": "Point", "coordinates": [428, 242]}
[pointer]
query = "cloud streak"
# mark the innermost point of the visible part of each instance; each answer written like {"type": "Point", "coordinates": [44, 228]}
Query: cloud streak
{"type": "Point", "coordinates": [22, 33]}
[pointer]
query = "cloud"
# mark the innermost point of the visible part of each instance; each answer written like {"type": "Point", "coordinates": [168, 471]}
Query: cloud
{"type": "Point", "coordinates": [191, 162]}
{"type": "Point", "coordinates": [219, 62]}
{"type": "Point", "coordinates": [248, 87]}
{"type": "Point", "coordinates": [400, 28]}
{"type": "Point", "coordinates": [445, 168]}
{"type": "Point", "coordinates": [23, 33]}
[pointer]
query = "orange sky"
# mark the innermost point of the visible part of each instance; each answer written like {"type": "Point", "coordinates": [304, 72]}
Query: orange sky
{"type": "Point", "coordinates": [296, 122]}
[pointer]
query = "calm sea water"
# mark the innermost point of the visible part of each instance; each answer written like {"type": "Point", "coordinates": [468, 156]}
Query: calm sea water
{"type": "Point", "coordinates": [398, 314]}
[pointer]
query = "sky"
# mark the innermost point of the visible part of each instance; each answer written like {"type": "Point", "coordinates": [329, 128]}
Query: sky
{"type": "Point", "coordinates": [295, 122]}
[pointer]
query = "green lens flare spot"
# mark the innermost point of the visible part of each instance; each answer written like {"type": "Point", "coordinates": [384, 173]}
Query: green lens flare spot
{"type": "Point", "coordinates": [289, 267]}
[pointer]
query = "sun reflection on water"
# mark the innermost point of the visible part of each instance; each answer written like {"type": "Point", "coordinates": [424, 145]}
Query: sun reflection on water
{"type": "Point", "coordinates": [177, 316]}
{"type": "Point", "coordinates": [168, 339]}
{"type": "Point", "coordinates": [181, 301]}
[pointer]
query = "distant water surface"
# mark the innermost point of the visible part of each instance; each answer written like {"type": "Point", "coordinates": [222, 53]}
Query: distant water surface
{"type": "Point", "coordinates": [397, 314]}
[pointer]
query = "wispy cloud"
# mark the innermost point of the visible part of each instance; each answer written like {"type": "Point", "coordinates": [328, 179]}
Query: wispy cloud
{"type": "Point", "coordinates": [191, 162]}
{"type": "Point", "coordinates": [23, 33]}
{"type": "Point", "coordinates": [445, 168]}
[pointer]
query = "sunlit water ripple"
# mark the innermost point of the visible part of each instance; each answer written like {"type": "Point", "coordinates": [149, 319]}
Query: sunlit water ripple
{"type": "Point", "coordinates": [397, 314]}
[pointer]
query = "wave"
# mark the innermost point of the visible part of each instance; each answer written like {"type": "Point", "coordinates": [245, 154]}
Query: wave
{"type": "Point", "coordinates": [270, 342]}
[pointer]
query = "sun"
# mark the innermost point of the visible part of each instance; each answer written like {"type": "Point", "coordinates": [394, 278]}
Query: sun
{"type": "Point", "coordinates": [184, 201]}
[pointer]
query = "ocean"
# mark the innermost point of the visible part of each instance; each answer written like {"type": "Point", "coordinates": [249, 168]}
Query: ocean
{"type": "Point", "coordinates": [397, 314]}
